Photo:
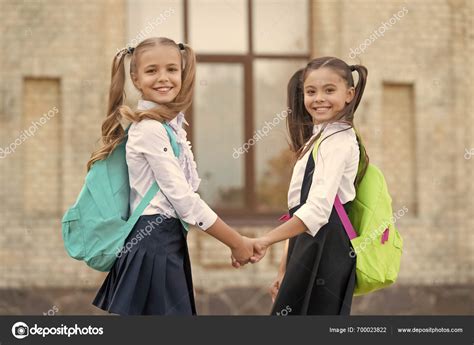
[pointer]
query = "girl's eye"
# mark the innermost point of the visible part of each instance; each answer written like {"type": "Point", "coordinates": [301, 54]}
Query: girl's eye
{"type": "Point", "coordinates": [330, 90]}
{"type": "Point", "coordinates": [172, 69]}
{"type": "Point", "coordinates": [310, 92]}
{"type": "Point", "coordinates": [150, 71]}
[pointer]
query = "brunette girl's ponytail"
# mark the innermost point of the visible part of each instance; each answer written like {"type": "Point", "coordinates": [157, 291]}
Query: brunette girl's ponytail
{"type": "Point", "coordinates": [299, 121]}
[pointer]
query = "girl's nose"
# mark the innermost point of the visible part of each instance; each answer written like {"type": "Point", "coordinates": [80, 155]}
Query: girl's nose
{"type": "Point", "coordinates": [319, 97]}
{"type": "Point", "coordinates": [162, 77]}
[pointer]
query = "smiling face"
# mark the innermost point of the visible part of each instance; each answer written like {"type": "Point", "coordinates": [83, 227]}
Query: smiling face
{"type": "Point", "coordinates": [158, 74]}
{"type": "Point", "coordinates": [325, 94]}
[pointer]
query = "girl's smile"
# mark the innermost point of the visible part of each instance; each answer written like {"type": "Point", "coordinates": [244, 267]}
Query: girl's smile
{"type": "Point", "coordinates": [163, 90]}
{"type": "Point", "coordinates": [321, 109]}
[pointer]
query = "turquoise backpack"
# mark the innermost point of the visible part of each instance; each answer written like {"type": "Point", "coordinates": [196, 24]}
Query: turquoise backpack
{"type": "Point", "coordinates": [95, 228]}
{"type": "Point", "coordinates": [376, 241]}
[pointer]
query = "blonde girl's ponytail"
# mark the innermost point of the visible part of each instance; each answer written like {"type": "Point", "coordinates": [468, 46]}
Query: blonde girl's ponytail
{"type": "Point", "coordinates": [112, 130]}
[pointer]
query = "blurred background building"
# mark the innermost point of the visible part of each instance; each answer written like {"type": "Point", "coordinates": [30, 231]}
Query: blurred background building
{"type": "Point", "coordinates": [416, 117]}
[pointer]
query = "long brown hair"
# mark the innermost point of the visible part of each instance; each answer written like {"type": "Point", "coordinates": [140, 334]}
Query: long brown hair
{"type": "Point", "coordinates": [112, 130]}
{"type": "Point", "coordinates": [300, 122]}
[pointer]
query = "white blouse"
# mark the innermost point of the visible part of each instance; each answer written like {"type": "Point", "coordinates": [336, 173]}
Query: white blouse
{"type": "Point", "coordinates": [335, 171]}
{"type": "Point", "coordinates": [150, 157]}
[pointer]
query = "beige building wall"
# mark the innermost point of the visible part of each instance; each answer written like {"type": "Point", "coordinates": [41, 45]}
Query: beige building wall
{"type": "Point", "coordinates": [416, 117]}
{"type": "Point", "coordinates": [54, 61]}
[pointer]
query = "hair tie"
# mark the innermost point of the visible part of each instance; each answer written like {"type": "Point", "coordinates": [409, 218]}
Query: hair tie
{"type": "Point", "coordinates": [181, 46]}
{"type": "Point", "coordinates": [352, 67]}
{"type": "Point", "coordinates": [130, 50]}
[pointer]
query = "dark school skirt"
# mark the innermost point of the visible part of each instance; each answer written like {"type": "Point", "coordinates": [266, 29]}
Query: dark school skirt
{"type": "Point", "coordinates": [152, 275]}
{"type": "Point", "coordinates": [320, 273]}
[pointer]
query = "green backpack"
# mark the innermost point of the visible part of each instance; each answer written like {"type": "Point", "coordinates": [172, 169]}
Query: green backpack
{"type": "Point", "coordinates": [95, 228]}
{"type": "Point", "coordinates": [377, 243]}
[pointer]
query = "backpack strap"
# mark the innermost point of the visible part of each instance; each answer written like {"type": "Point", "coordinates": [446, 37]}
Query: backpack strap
{"type": "Point", "coordinates": [341, 212]}
{"type": "Point", "coordinates": [143, 204]}
{"type": "Point", "coordinates": [344, 218]}
{"type": "Point", "coordinates": [172, 137]}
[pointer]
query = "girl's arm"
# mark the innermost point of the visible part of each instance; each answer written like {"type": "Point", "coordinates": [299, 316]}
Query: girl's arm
{"type": "Point", "coordinates": [241, 247]}
{"type": "Point", "coordinates": [285, 231]}
{"type": "Point", "coordinates": [284, 258]}
{"type": "Point", "coordinates": [289, 229]}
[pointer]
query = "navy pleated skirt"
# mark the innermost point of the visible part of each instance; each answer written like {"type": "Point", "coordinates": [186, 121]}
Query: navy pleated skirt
{"type": "Point", "coordinates": [152, 276]}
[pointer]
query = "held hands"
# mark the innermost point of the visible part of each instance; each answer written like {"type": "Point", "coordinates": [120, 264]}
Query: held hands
{"type": "Point", "coordinates": [251, 250]}
{"type": "Point", "coordinates": [243, 252]}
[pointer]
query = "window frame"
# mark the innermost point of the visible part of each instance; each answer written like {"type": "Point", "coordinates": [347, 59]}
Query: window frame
{"type": "Point", "coordinates": [248, 212]}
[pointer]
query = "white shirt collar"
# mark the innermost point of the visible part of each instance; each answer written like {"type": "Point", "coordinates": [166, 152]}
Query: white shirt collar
{"type": "Point", "coordinates": [178, 120]}
{"type": "Point", "coordinates": [317, 128]}
{"type": "Point", "coordinates": [332, 125]}
{"type": "Point", "coordinates": [145, 105]}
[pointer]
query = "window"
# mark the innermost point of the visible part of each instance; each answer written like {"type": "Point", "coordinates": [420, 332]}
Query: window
{"type": "Point", "coordinates": [246, 51]}
{"type": "Point", "coordinates": [222, 180]}
{"type": "Point", "coordinates": [217, 26]}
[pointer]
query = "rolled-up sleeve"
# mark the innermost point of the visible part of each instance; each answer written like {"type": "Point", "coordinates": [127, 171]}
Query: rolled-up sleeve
{"type": "Point", "coordinates": [153, 141]}
{"type": "Point", "coordinates": [329, 169]}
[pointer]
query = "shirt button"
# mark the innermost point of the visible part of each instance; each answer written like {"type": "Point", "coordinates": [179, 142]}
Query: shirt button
{"type": "Point", "coordinates": [200, 223]}
{"type": "Point", "coordinates": [165, 149]}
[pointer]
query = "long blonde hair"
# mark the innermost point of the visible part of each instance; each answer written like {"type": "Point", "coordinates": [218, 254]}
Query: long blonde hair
{"type": "Point", "coordinates": [112, 130]}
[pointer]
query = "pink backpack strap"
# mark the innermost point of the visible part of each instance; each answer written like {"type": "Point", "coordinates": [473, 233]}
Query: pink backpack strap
{"type": "Point", "coordinates": [284, 217]}
{"type": "Point", "coordinates": [344, 218]}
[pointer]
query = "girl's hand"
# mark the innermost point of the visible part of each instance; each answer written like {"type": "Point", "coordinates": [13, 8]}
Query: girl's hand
{"type": "Point", "coordinates": [275, 287]}
{"type": "Point", "coordinates": [241, 254]}
{"type": "Point", "coordinates": [260, 246]}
